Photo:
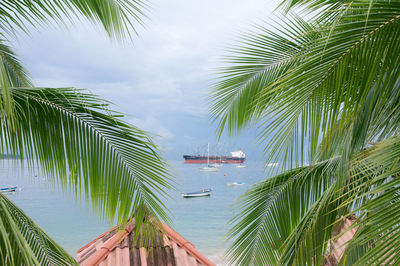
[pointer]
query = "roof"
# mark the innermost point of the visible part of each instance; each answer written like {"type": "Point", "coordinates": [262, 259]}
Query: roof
{"type": "Point", "coordinates": [118, 247]}
{"type": "Point", "coordinates": [345, 231]}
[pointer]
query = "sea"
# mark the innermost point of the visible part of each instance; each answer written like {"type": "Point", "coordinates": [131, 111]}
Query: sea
{"type": "Point", "coordinates": [203, 221]}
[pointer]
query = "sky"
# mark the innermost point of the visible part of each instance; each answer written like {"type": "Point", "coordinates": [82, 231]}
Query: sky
{"type": "Point", "coordinates": [162, 78]}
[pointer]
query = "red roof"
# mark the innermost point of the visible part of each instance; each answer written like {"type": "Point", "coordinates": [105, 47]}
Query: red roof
{"type": "Point", "coordinates": [118, 247]}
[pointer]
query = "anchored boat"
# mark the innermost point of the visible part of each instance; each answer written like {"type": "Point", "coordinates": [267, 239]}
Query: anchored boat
{"type": "Point", "coordinates": [209, 167]}
{"type": "Point", "coordinates": [235, 184]}
{"type": "Point", "coordinates": [203, 193]}
{"type": "Point", "coordinates": [8, 189]}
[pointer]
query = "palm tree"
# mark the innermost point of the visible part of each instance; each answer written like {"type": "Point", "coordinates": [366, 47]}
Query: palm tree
{"type": "Point", "coordinates": [72, 135]}
{"type": "Point", "coordinates": [325, 94]}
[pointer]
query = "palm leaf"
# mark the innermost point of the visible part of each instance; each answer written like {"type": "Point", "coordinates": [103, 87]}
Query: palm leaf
{"type": "Point", "coordinates": [13, 70]}
{"type": "Point", "coordinates": [115, 16]}
{"type": "Point", "coordinates": [77, 141]}
{"type": "Point", "coordinates": [264, 57]}
{"type": "Point", "coordinates": [312, 5]}
{"type": "Point", "coordinates": [273, 210]}
{"type": "Point", "coordinates": [288, 219]}
{"type": "Point", "coordinates": [300, 105]}
{"type": "Point", "coordinates": [375, 202]}
{"type": "Point", "coordinates": [23, 242]}
{"type": "Point", "coordinates": [72, 135]}
{"type": "Point", "coordinates": [12, 73]}
{"type": "Point", "coordinates": [340, 93]}
{"type": "Point", "coordinates": [84, 146]}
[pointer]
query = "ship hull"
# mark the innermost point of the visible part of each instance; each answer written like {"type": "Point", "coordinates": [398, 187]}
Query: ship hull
{"type": "Point", "coordinates": [212, 159]}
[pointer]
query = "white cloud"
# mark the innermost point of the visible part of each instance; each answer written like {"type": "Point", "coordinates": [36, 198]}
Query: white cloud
{"type": "Point", "coordinates": [166, 71]}
{"type": "Point", "coordinates": [153, 125]}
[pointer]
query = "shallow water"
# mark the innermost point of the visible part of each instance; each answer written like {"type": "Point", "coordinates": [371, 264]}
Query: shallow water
{"type": "Point", "coordinates": [203, 221]}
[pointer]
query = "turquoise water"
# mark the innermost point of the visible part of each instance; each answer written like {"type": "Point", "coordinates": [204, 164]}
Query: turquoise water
{"type": "Point", "coordinates": [203, 221]}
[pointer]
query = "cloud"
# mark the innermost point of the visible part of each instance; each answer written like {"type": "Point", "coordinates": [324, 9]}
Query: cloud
{"type": "Point", "coordinates": [164, 72]}
{"type": "Point", "coordinates": [153, 125]}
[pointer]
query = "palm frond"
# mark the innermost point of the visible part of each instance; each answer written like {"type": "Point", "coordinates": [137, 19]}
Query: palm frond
{"type": "Point", "coordinates": [72, 135]}
{"type": "Point", "coordinates": [264, 57]}
{"type": "Point", "coordinates": [311, 5]}
{"type": "Point", "coordinates": [339, 94]}
{"type": "Point", "coordinates": [356, 55]}
{"type": "Point", "coordinates": [318, 95]}
{"type": "Point", "coordinates": [115, 16]}
{"type": "Point", "coordinates": [23, 242]}
{"type": "Point", "coordinates": [376, 203]}
{"type": "Point", "coordinates": [12, 73]}
{"type": "Point", "coordinates": [271, 213]}
{"type": "Point", "coordinates": [289, 219]}
{"type": "Point", "coordinates": [84, 146]}
{"type": "Point", "coordinates": [81, 144]}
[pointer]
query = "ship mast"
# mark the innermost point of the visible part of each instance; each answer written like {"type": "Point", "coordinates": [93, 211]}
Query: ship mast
{"type": "Point", "coordinates": [208, 154]}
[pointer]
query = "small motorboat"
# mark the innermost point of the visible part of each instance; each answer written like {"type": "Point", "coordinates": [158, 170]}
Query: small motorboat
{"type": "Point", "coordinates": [8, 189]}
{"type": "Point", "coordinates": [272, 164]}
{"type": "Point", "coordinates": [241, 166]}
{"type": "Point", "coordinates": [203, 193]}
{"type": "Point", "coordinates": [235, 184]}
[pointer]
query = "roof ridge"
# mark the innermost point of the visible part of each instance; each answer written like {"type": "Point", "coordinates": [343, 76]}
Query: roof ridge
{"type": "Point", "coordinates": [109, 245]}
{"type": "Point", "coordinates": [187, 245]}
{"type": "Point", "coordinates": [97, 238]}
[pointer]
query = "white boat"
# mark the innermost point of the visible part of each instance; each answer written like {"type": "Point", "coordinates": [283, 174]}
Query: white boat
{"type": "Point", "coordinates": [8, 189]}
{"type": "Point", "coordinates": [209, 167]}
{"type": "Point", "coordinates": [203, 193]}
{"type": "Point", "coordinates": [240, 166]}
{"type": "Point", "coordinates": [272, 164]}
{"type": "Point", "coordinates": [235, 184]}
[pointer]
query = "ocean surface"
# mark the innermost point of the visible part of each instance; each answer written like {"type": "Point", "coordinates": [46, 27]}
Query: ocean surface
{"type": "Point", "coordinates": [203, 221]}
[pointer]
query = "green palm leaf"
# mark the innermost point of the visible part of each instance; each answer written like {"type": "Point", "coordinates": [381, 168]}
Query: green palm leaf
{"type": "Point", "coordinates": [265, 57]}
{"type": "Point", "coordinates": [289, 219]}
{"type": "Point", "coordinates": [375, 202]}
{"type": "Point", "coordinates": [23, 242]}
{"type": "Point", "coordinates": [340, 93]}
{"type": "Point", "coordinates": [304, 105]}
{"type": "Point", "coordinates": [115, 16]}
{"type": "Point", "coordinates": [12, 73]}
{"type": "Point", "coordinates": [72, 135]}
{"type": "Point", "coordinates": [272, 210]}
{"type": "Point", "coordinates": [76, 140]}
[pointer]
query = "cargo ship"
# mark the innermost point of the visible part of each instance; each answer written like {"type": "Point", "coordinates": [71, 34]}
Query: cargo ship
{"type": "Point", "coordinates": [236, 157]}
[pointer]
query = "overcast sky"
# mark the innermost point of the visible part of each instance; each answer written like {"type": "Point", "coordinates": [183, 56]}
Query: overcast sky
{"type": "Point", "coordinates": [161, 79]}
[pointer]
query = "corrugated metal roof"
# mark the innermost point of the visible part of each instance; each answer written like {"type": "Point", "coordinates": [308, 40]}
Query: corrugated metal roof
{"type": "Point", "coordinates": [118, 247]}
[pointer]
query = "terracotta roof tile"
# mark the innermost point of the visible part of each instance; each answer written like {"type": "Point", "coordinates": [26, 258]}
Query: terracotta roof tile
{"type": "Point", "coordinates": [118, 247]}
